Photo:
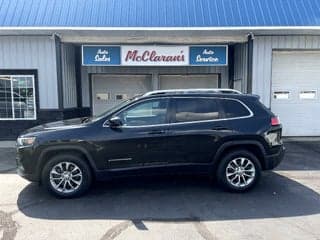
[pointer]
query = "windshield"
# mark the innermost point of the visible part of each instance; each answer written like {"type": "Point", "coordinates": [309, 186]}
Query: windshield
{"type": "Point", "coordinates": [110, 110]}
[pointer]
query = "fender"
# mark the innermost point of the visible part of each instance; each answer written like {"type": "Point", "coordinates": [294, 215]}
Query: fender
{"type": "Point", "coordinates": [66, 147]}
{"type": "Point", "coordinates": [235, 143]}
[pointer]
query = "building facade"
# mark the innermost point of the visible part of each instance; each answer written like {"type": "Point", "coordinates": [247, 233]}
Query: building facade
{"type": "Point", "coordinates": [60, 61]}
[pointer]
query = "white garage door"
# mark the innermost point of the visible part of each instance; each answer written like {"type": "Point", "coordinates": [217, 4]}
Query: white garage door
{"type": "Point", "coordinates": [295, 91]}
{"type": "Point", "coordinates": [189, 81]}
{"type": "Point", "coordinates": [109, 90]}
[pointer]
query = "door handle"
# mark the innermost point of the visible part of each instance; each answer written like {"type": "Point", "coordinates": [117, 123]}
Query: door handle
{"type": "Point", "coordinates": [155, 132]}
{"type": "Point", "coordinates": [219, 128]}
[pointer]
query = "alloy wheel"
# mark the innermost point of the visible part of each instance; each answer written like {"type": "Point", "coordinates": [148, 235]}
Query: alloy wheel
{"type": "Point", "coordinates": [66, 177]}
{"type": "Point", "coordinates": [240, 172]}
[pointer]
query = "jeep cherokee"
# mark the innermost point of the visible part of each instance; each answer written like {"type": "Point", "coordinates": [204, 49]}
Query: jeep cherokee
{"type": "Point", "coordinates": [221, 133]}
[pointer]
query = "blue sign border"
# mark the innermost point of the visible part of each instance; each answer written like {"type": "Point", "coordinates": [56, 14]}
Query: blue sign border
{"type": "Point", "coordinates": [194, 50]}
{"type": "Point", "coordinates": [114, 50]}
{"type": "Point", "coordinates": [199, 49]}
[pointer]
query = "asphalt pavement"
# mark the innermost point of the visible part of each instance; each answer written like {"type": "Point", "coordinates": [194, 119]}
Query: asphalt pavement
{"type": "Point", "coordinates": [284, 205]}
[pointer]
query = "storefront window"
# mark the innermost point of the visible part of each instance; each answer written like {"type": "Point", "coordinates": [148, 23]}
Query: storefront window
{"type": "Point", "coordinates": [17, 97]}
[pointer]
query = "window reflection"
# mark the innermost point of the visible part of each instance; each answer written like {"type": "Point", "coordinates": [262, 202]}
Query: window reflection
{"type": "Point", "coordinates": [17, 98]}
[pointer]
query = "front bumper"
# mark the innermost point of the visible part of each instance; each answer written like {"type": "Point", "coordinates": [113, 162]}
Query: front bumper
{"type": "Point", "coordinates": [28, 176]}
{"type": "Point", "coordinates": [26, 164]}
{"type": "Point", "coordinates": [274, 160]}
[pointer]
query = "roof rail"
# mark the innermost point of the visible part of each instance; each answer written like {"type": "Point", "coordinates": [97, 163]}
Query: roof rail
{"type": "Point", "coordinates": [193, 90]}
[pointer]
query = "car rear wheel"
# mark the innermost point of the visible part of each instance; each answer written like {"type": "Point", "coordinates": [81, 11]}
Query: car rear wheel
{"type": "Point", "coordinates": [66, 176]}
{"type": "Point", "coordinates": [239, 171]}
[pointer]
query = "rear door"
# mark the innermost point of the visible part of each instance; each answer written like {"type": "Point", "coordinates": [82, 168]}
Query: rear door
{"type": "Point", "coordinates": [194, 130]}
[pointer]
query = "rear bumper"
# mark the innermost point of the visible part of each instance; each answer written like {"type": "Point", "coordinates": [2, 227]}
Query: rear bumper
{"type": "Point", "coordinates": [274, 160]}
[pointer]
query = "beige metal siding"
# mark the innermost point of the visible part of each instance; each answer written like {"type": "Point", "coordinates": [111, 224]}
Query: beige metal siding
{"type": "Point", "coordinates": [69, 76]}
{"type": "Point", "coordinates": [262, 58]}
{"type": "Point", "coordinates": [38, 52]}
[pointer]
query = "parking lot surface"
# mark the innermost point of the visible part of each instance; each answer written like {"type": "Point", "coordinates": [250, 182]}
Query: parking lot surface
{"type": "Point", "coordinates": [285, 205]}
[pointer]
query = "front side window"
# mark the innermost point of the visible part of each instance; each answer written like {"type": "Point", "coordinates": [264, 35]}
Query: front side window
{"type": "Point", "coordinates": [17, 97]}
{"type": "Point", "coordinates": [150, 112]}
{"type": "Point", "coordinates": [196, 109]}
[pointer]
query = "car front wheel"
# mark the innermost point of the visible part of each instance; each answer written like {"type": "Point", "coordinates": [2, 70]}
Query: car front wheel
{"type": "Point", "coordinates": [66, 176]}
{"type": "Point", "coordinates": [239, 171]}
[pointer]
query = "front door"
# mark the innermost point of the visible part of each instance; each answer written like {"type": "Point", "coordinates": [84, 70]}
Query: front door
{"type": "Point", "coordinates": [142, 138]}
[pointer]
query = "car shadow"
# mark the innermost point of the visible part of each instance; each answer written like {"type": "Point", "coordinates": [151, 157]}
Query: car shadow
{"type": "Point", "coordinates": [178, 199]}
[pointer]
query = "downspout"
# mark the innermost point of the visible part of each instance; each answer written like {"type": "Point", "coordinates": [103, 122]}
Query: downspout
{"type": "Point", "coordinates": [250, 61]}
{"type": "Point", "coordinates": [57, 41]}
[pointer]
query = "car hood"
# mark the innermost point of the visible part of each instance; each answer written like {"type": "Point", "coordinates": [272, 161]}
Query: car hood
{"type": "Point", "coordinates": [59, 125]}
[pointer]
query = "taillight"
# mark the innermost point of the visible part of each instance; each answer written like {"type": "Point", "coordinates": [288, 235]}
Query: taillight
{"type": "Point", "coordinates": [275, 121]}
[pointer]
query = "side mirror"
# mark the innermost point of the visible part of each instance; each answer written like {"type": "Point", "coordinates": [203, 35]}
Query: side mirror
{"type": "Point", "coordinates": [115, 122]}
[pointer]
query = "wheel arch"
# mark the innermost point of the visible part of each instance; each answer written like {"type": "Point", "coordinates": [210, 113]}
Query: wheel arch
{"type": "Point", "coordinates": [51, 151]}
{"type": "Point", "coordinates": [253, 146]}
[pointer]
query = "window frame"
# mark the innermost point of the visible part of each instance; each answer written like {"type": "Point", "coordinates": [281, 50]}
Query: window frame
{"type": "Point", "coordinates": [11, 75]}
{"type": "Point", "coordinates": [171, 111]}
{"type": "Point", "coordinates": [282, 91]}
{"type": "Point", "coordinates": [308, 99]}
{"type": "Point", "coordinates": [221, 111]}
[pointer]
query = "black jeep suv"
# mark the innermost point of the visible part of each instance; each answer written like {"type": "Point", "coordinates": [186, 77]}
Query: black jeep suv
{"type": "Point", "coordinates": [222, 133]}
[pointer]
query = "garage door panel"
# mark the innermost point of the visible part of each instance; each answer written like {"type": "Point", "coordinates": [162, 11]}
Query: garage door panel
{"type": "Point", "coordinates": [109, 90]}
{"type": "Point", "coordinates": [297, 120]}
{"type": "Point", "coordinates": [189, 81]}
{"type": "Point", "coordinates": [297, 72]}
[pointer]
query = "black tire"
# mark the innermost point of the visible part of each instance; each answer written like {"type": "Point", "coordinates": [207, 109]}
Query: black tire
{"type": "Point", "coordinates": [75, 160]}
{"type": "Point", "coordinates": [221, 173]}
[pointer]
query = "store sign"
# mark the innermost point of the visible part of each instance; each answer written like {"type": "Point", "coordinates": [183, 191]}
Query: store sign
{"type": "Point", "coordinates": [208, 55]}
{"type": "Point", "coordinates": [100, 55]}
{"type": "Point", "coordinates": [154, 55]}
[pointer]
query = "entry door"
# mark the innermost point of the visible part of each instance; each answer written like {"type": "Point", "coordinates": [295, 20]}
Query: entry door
{"type": "Point", "coordinates": [189, 81]}
{"type": "Point", "coordinates": [110, 90]}
{"type": "Point", "coordinates": [295, 91]}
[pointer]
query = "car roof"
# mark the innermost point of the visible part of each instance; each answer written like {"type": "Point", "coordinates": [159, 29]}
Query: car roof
{"type": "Point", "coordinates": [203, 92]}
{"type": "Point", "coordinates": [193, 91]}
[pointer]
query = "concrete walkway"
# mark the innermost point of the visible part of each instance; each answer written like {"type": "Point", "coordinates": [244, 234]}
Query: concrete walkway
{"type": "Point", "coordinates": [7, 144]}
{"type": "Point", "coordinates": [284, 205]}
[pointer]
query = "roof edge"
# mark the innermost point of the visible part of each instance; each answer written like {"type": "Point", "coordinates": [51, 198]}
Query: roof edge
{"type": "Point", "coordinates": [247, 28]}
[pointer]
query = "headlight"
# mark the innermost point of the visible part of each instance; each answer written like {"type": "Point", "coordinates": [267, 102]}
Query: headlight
{"type": "Point", "coordinates": [25, 141]}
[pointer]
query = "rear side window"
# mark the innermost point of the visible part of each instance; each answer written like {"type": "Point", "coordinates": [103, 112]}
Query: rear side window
{"type": "Point", "coordinates": [196, 109]}
{"type": "Point", "coordinates": [233, 109]}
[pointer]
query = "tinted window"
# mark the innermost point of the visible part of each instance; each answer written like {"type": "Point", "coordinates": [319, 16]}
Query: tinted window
{"type": "Point", "coordinates": [196, 109]}
{"type": "Point", "coordinates": [232, 109]}
{"type": "Point", "coordinates": [146, 113]}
